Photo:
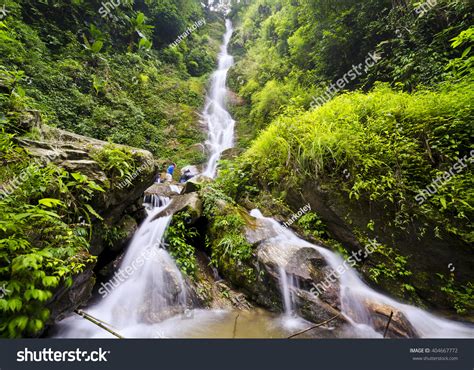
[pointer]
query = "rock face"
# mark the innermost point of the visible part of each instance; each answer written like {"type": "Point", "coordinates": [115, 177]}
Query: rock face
{"type": "Point", "coordinates": [189, 202]}
{"type": "Point", "coordinates": [195, 184]}
{"type": "Point", "coordinates": [73, 152]}
{"type": "Point", "coordinates": [65, 300]}
{"type": "Point", "coordinates": [399, 326]}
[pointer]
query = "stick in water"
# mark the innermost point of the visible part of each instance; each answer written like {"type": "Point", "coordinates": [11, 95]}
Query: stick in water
{"type": "Point", "coordinates": [388, 323]}
{"type": "Point", "coordinates": [315, 326]}
{"type": "Point", "coordinates": [235, 325]}
{"type": "Point", "coordinates": [97, 322]}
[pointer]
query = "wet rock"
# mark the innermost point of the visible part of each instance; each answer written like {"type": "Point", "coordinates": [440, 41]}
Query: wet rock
{"type": "Point", "coordinates": [316, 310]}
{"type": "Point", "coordinates": [399, 326]}
{"type": "Point", "coordinates": [211, 291]}
{"type": "Point", "coordinates": [195, 184]}
{"type": "Point", "coordinates": [65, 300]}
{"type": "Point", "coordinates": [164, 190]}
{"type": "Point", "coordinates": [231, 153]}
{"type": "Point", "coordinates": [126, 229]}
{"type": "Point", "coordinates": [190, 202]}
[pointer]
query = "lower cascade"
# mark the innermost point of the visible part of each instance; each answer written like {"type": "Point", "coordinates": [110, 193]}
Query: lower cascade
{"type": "Point", "coordinates": [355, 295]}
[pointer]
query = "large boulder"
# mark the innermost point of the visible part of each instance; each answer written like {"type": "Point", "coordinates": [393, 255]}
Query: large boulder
{"type": "Point", "coordinates": [163, 190]}
{"type": "Point", "coordinates": [195, 184]}
{"type": "Point", "coordinates": [399, 326]}
{"type": "Point", "coordinates": [75, 153]}
{"type": "Point", "coordinates": [190, 202]}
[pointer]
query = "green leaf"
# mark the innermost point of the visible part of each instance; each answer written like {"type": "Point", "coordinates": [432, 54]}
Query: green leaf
{"type": "Point", "coordinates": [97, 46]}
{"type": "Point", "coordinates": [50, 202]}
{"type": "Point", "coordinates": [92, 211]}
{"type": "Point", "coordinates": [50, 281]}
{"type": "Point", "coordinates": [140, 18]}
{"type": "Point", "coordinates": [443, 202]}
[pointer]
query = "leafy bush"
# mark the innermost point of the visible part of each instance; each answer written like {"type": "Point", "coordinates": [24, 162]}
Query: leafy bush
{"type": "Point", "coordinates": [394, 144]}
{"type": "Point", "coordinates": [228, 245]}
{"type": "Point", "coordinates": [179, 236]}
{"type": "Point", "coordinates": [43, 243]}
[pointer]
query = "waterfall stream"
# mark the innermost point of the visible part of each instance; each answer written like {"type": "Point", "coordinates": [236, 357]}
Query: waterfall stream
{"type": "Point", "coordinates": [219, 121]}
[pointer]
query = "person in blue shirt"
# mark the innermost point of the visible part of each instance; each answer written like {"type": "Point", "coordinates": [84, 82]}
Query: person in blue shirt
{"type": "Point", "coordinates": [170, 171]}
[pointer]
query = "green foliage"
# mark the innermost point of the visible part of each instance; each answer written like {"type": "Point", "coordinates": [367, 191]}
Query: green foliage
{"type": "Point", "coordinates": [44, 239]}
{"type": "Point", "coordinates": [110, 78]}
{"type": "Point", "coordinates": [235, 181]}
{"type": "Point", "coordinates": [462, 296]}
{"type": "Point", "coordinates": [228, 246]}
{"type": "Point", "coordinates": [390, 265]}
{"type": "Point", "coordinates": [179, 237]}
{"type": "Point", "coordinates": [394, 144]}
{"type": "Point", "coordinates": [290, 51]}
{"type": "Point", "coordinates": [464, 65]}
{"type": "Point", "coordinates": [310, 222]}
{"type": "Point", "coordinates": [117, 162]}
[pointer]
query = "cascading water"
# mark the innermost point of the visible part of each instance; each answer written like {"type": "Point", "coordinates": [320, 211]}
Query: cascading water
{"type": "Point", "coordinates": [146, 288]}
{"type": "Point", "coordinates": [154, 290]}
{"type": "Point", "coordinates": [219, 121]}
{"type": "Point", "coordinates": [286, 283]}
{"type": "Point", "coordinates": [355, 293]}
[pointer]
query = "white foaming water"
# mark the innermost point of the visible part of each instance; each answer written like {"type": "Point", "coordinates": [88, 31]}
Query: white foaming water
{"type": "Point", "coordinates": [175, 188]}
{"type": "Point", "coordinates": [219, 121]}
{"type": "Point", "coordinates": [285, 285]}
{"type": "Point", "coordinates": [355, 293]}
{"type": "Point", "coordinates": [146, 288]}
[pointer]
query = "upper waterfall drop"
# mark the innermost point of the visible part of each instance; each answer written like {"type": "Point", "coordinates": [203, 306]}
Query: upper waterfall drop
{"type": "Point", "coordinates": [219, 121]}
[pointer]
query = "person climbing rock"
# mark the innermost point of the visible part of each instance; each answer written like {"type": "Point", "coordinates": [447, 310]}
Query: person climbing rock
{"type": "Point", "coordinates": [170, 171]}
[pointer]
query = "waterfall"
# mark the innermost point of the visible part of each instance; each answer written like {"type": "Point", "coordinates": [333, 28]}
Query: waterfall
{"type": "Point", "coordinates": [153, 201]}
{"type": "Point", "coordinates": [219, 121]}
{"type": "Point", "coordinates": [146, 289]}
{"type": "Point", "coordinates": [354, 293]}
{"type": "Point", "coordinates": [286, 283]}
